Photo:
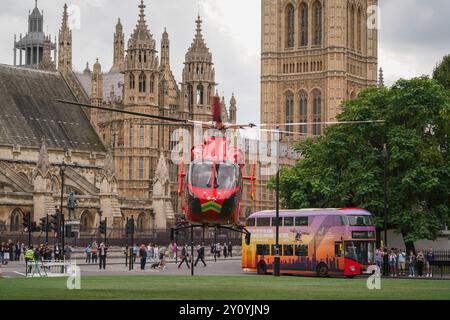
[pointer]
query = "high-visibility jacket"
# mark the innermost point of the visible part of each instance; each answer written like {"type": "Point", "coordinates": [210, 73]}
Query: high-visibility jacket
{"type": "Point", "coordinates": [29, 255]}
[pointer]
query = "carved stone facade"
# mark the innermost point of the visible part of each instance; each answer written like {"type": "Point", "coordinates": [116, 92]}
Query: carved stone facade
{"type": "Point", "coordinates": [315, 54]}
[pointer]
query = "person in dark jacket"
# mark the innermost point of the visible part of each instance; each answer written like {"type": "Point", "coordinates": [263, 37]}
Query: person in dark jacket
{"type": "Point", "coordinates": [430, 260]}
{"type": "Point", "coordinates": [143, 256]}
{"type": "Point", "coordinates": [200, 255]}
{"type": "Point", "coordinates": [184, 256]}
{"type": "Point", "coordinates": [102, 253]}
{"type": "Point", "coordinates": [230, 249]}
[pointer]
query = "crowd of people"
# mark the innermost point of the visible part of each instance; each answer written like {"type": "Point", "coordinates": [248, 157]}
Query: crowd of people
{"type": "Point", "coordinates": [11, 252]}
{"type": "Point", "coordinates": [401, 264]}
{"type": "Point", "coordinates": [226, 249]}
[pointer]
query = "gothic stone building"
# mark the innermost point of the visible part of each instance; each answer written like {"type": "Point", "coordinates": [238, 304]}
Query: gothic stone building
{"type": "Point", "coordinates": [119, 165]}
{"type": "Point", "coordinates": [315, 54]}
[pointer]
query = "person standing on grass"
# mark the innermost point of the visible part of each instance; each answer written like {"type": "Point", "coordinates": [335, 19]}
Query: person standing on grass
{"type": "Point", "coordinates": [184, 256]}
{"type": "Point", "coordinates": [392, 263]}
{"type": "Point", "coordinates": [420, 264]}
{"type": "Point", "coordinates": [401, 262]}
{"type": "Point", "coordinates": [430, 260]}
{"type": "Point", "coordinates": [103, 252]}
{"type": "Point", "coordinates": [412, 264]}
{"type": "Point", "coordinates": [143, 256]}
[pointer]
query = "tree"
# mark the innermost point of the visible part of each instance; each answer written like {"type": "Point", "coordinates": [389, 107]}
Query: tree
{"type": "Point", "coordinates": [344, 167]}
{"type": "Point", "coordinates": [442, 72]}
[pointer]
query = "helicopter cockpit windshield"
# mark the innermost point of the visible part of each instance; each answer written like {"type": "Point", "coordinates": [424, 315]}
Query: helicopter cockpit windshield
{"type": "Point", "coordinates": [226, 175]}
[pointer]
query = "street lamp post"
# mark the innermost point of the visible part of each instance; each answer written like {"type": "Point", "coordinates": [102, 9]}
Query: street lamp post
{"type": "Point", "coordinates": [385, 154]}
{"type": "Point", "coordinates": [276, 263]}
{"type": "Point", "coordinates": [62, 224]}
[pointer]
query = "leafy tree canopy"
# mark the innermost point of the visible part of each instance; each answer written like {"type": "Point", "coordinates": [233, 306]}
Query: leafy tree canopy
{"type": "Point", "coordinates": [344, 167]}
{"type": "Point", "coordinates": [442, 72]}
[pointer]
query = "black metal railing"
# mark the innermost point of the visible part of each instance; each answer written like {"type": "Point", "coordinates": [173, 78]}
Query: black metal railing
{"type": "Point", "coordinates": [117, 237]}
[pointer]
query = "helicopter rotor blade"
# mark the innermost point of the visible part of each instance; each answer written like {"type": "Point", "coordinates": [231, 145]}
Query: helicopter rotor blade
{"type": "Point", "coordinates": [139, 114]}
{"type": "Point", "coordinates": [263, 125]}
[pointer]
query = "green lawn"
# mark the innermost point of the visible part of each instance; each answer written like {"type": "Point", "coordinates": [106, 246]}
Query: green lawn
{"type": "Point", "coordinates": [219, 287]}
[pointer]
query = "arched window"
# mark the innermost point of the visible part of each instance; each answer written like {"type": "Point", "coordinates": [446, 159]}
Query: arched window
{"type": "Point", "coordinates": [130, 168]}
{"type": "Point", "coordinates": [141, 136]}
{"type": "Point", "coordinates": [290, 25]}
{"type": "Point", "coordinates": [200, 95]}
{"type": "Point", "coordinates": [141, 168]}
{"type": "Point", "coordinates": [142, 82]}
{"type": "Point", "coordinates": [351, 27]}
{"type": "Point", "coordinates": [16, 221]}
{"type": "Point", "coordinates": [303, 24]}
{"type": "Point", "coordinates": [317, 23]}
{"type": "Point", "coordinates": [303, 110]}
{"type": "Point", "coordinates": [359, 30]}
{"type": "Point", "coordinates": [317, 113]}
{"type": "Point", "coordinates": [141, 223]}
{"type": "Point", "coordinates": [85, 221]}
{"type": "Point", "coordinates": [132, 81]}
{"type": "Point", "coordinates": [131, 136]}
{"type": "Point", "coordinates": [289, 111]}
{"type": "Point", "coordinates": [152, 83]}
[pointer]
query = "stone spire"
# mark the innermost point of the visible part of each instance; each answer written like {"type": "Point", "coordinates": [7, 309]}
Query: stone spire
{"type": "Point", "coordinates": [141, 32]}
{"type": "Point", "coordinates": [233, 109]}
{"type": "Point", "coordinates": [119, 48]}
{"type": "Point", "coordinates": [198, 46]}
{"type": "Point", "coordinates": [381, 78]}
{"type": "Point", "coordinates": [165, 49]}
{"type": "Point", "coordinates": [97, 84]}
{"type": "Point", "coordinates": [87, 70]}
{"type": "Point", "coordinates": [65, 44]}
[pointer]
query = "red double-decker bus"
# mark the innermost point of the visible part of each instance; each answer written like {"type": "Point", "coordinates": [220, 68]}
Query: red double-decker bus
{"type": "Point", "coordinates": [320, 242]}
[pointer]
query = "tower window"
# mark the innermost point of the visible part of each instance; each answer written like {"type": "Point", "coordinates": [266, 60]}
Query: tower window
{"type": "Point", "coordinates": [303, 24]}
{"type": "Point", "coordinates": [317, 113]}
{"type": "Point", "coordinates": [142, 82]}
{"type": "Point", "coordinates": [152, 83]}
{"type": "Point", "coordinates": [141, 168]}
{"type": "Point", "coordinates": [200, 95]}
{"type": "Point", "coordinates": [141, 136]}
{"type": "Point", "coordinates": [290, 25]}
{"type": "Point", "coordinates": [289, 111]}
{"type": "Point", "coordinates": [130, 168]}
{"type": "Point", "coordinates": [317, 23]}
{"type": "Point", "coordinates": [359, 31]}
{"type": "Point", "coordinates": [131, 136]}
{"type": "Point", "coordinates": [132, 81]}
{"type": "Point", "coordinates": [303, 108]}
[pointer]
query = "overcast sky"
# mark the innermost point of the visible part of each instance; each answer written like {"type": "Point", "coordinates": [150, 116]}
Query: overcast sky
{"type": "Point", "coordinates": [414, 36]}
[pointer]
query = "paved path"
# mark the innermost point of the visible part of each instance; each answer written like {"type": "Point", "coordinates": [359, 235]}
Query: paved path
{"type": "Point", "coordinates": [221, 267]}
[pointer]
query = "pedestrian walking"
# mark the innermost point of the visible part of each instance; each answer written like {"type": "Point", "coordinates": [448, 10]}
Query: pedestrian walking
{"type": "Point", "coordinates": [184, 256]}
{"type": "Point", "coordinates": [420, 264]}
{"type": "Point", "coordinates": [143, 255]}
{"type": "Point", "coordinates": [412, 264]}
{"type": "Point", "coordinates": [200, 255]}
{"type": "Point", "coordinates": [230, 249]}
{"type": "Point", "coordinates": [430, 260]}
{"type": "Point", "coordinates": [103, 252]}
{"type": "Point", "coordinates": [225, 250]}
{"type": "Point", "coordinates": [17, 251]}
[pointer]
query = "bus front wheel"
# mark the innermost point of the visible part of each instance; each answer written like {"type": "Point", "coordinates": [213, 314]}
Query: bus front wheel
{"type": "Point", "coordinates": [322, 270]}
{"type": "Point", "coordinates": [262, 268]}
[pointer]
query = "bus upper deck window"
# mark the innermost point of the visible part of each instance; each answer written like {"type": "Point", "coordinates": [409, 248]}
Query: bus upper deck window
{"type": "Point", "coordinates": [251, 222]}
{"type": "Point", "coordinates": [301, 221]}
{"type": "Point", "coordinates": [289, 221]}
{"type": "Point", "coordinates": [263, 222]}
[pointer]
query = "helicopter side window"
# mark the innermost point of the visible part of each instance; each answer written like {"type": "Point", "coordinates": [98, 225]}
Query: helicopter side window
{"type": "Point", "coordinates": [227, 176]}
{"type": "Point", "coordinates": [201, 174]}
